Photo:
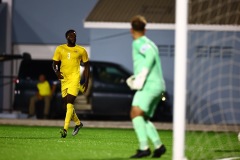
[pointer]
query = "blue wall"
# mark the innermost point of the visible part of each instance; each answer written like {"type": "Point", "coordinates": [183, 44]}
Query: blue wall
{"type": "Point", "coordinates": [45, 22]}
{"type": "Point", "coordinates": [3, 18]}
{"type": "Point", "coordinates": [111, 45]}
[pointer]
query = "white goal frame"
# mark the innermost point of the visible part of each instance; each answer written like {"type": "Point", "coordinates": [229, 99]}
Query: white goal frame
{"type": "Point", "coordinates": [180, 68]}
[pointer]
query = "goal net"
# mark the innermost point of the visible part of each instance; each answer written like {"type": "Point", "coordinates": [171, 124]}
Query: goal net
{"type": "Point", "coordinates": [212, 80]}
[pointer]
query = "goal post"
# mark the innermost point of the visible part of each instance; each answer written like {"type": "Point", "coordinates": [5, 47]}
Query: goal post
{"type": "Point", "coordinates": [180, 79]}
{"type": "Point", "coordinates": [206, 120]}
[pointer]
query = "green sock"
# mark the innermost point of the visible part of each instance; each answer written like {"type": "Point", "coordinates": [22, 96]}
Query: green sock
{"type": "Point", "coordinates": [153, 134]}
{"type": "Point", "coordinates": [140, 129]}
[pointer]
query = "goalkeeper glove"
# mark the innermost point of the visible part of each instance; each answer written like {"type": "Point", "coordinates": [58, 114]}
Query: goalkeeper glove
{"type": "Point", "coordinates": [137, 82]}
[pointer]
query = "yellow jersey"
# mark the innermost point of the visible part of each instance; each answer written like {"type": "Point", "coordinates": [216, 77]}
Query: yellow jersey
{"type": "Point", "coordinates": [70, 58]}
{"type": "Point", "coordinates": [44, 88]}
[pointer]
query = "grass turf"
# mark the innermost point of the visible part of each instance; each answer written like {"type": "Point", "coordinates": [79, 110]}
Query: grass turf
{"type": "Point", "coordinates": [38, 143]}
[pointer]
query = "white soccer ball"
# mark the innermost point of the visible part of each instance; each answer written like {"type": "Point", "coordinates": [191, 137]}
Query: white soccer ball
{"type": "Point", "coordinates": [239, 136]}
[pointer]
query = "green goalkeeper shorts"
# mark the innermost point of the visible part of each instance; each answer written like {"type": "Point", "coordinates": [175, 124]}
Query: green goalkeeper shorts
{"type": "Point", "coordinates": [147, 101]}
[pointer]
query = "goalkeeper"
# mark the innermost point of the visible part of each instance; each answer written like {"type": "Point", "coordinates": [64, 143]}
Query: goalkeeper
{"type": "Point", "coordinates": [149, 83]}
{"type": "Point", "coordinates": [70, 55]}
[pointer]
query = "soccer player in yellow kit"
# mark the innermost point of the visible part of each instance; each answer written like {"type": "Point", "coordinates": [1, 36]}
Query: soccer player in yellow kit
{"type": "Point", "coordinates": [70, 55]}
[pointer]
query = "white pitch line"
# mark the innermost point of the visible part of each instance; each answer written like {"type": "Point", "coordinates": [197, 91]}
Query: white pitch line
{"type": "Point", "coordinates": [231, 158]}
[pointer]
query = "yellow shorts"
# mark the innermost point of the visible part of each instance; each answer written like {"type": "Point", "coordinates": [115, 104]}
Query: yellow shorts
{"type": "Point", "coordinates": [70, 87]}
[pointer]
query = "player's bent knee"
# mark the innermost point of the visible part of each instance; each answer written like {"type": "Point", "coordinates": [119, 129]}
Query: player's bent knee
{"type": "Point", "coordinates": [71, 98]}
{"type": "Point", "coordinates": [136, 111]}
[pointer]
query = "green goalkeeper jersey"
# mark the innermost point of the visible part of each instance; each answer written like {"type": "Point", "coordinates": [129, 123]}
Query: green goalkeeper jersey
{"type": "Point", "coordinates": [146, 55]}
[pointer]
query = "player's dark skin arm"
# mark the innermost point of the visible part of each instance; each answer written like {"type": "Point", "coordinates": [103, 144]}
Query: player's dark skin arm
{"type": "Point", "coordinates": [86, 75]}
{"type": "Point", "coordinates": [55, 65]}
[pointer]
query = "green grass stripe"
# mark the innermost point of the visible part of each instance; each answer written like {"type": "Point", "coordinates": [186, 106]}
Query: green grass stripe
{"type": "Point", "coordinates": [44, 143]}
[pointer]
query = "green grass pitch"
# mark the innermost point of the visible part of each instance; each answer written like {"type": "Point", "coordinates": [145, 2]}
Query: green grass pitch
{"type": "Point", "coordinates": [44, 143]}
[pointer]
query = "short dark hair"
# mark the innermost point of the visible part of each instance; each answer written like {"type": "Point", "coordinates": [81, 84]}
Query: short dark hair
{"type": "Point", "coordinates": [69, 31]}
{"type": "Point", "coordinates": [138, 23]}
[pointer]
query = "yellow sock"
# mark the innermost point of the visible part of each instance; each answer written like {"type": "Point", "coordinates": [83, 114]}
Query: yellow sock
{"type": "Point", "coordinates": [69, 115]}
{"type": "Point", "coordinates": [75, 118]}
